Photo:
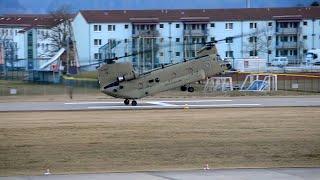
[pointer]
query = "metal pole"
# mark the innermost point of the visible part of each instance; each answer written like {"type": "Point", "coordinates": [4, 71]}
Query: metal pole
{"type": "Point", "coordinates": [68, 58]}
{"type": "Point", "coordinates": [138, 49]}
{"type": "Point", "coordinates": [152, 54]}
{"type": "Point", "coordinates": [143, 57]}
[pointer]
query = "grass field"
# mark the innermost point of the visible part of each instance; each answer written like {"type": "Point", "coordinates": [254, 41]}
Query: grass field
{"type": "Point", "coordinates": [143, 140]}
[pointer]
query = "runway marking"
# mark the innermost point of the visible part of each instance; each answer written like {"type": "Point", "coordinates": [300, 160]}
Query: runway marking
{"type": "Point", "coordinates": [220, 105]}
{"type": "Point", "coordinates": [98, 102]}
{"type": "Point", "coordinates": [172, 106]}
{"type": "Point", "coordinates": [161, 103]}
{"type": "Point", "coordinates": [204, 100]}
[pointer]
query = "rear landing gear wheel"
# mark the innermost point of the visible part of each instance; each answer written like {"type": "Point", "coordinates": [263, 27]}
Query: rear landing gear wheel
{"type": "Point", "coordinates": [190, 89]}
{"type": "Point", "coordinates": [183, 88]}
{"type": "Point", "coordinates": [126, 101]}
{"type": "Point", "coordinates": [134, 103]}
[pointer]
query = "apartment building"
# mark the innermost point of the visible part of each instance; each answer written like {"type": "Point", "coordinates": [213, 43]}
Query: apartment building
{"type": "Point", "coordinates": [178, 34]}
{"type": "Point", "coordinates": [29, 33]}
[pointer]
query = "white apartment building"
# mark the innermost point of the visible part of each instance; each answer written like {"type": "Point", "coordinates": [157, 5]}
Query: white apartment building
{"type": "Point", "coordinates": [173, 35]}
{"type": "Point", "coordinates": [28, 32]}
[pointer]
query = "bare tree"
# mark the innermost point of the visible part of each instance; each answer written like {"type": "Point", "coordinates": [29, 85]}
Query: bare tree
{"type": "Point", "coordinates": [59, 35]}
{"type": "Point", "coordinates": [60, 32]}
{"type": "Point", "coordinates": [259, 42]}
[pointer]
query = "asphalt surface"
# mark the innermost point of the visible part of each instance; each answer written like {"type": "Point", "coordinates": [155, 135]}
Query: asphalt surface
{"type": "Point", "coordinates": [228, 174]}
{"type": "Point", "coordinates": [191, 103]}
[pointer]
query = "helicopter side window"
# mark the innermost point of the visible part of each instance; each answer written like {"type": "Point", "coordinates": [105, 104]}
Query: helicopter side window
{"type": "Point", "coordinates": [116, 83]}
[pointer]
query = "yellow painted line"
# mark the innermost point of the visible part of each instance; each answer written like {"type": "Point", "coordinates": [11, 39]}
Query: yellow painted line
{"type": "Point", "coordinates": [79, 79]}
{"type": "Point", "coordinates": [294, 75]}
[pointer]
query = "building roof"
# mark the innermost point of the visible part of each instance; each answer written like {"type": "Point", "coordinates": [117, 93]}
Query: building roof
{"type": "Point", "coordinates": [29, 21]}
{"type": "Point", "coordinates": [175, 15]}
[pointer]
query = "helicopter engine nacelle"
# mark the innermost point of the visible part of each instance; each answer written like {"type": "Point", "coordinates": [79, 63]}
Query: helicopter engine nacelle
{"type": "Point", "coordinates": [117, 72]}
{"type": "Point", "coordinates": [127, 77]}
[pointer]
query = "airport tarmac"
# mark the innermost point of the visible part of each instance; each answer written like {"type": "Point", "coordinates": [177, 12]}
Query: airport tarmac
{"type": "Point", "coordinates": [223, 174]}
{"type": "Point", "coordinates": [192, 103]}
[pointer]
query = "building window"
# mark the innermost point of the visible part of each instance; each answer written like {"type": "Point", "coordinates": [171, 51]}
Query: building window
{"type": "Point", "coordinates": [177, 25]}
{"type": "Point", "coordinates": [253, 39]}
{"type": "Point", "coordinates": [245, 64]}
{"type": "Point", "coordinates": [269, 52]}
{"type": "Point", "coordinates": [229, 25]}
{"type": "Point", "coordinates": [253, 25]}
{"type": "Point", "coordinates": [97, 55]}
{"type": "Point", "coordinates": [269, 23]}
{"type": "Point", "coordinates": [126, 26]}
{"type": "Point", "coordinates": [177, 39]}
{"type": "Point", "coordinates": [177, 53]}
{"type": "Point", "coordinates": [305, 23]}
{"type": "Point", "coordinates": [293, 52]}
{"type": "Point", "coordinates": [305, 51]}
{"type": "Point", "coordinates": [284, 38]}
{"type": "Point", "coordinates": [305, 37]}
{"type": "Point", "coordinates": [253, 53]}
{"type": "Point", "coordinates": [97, 42]}
{"type": "Point", "coordinates": [97, 28]}
{"type": "Point", "coordinates": [212, 25]}
{"type": "Point", "coordinates": [161, 25]}
{"type": "Point", "coordinates": [125, 54]}
{"type": "Point", "coordinates": [229, 54]}
{"type": "Point", "coordinates": [161, 53]}
{"type": "Point", "coordinates": [212, 39]}
{"type": "Point", "coordinates": [125, 40]}
{"type": "Point", "coordinates": [111, 27]}
{"type": "Point", "coordinates": [229, 40]}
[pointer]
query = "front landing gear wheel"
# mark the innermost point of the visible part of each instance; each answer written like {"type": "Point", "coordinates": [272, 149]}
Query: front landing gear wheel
{"type": "Point", "coordinates": [183, 88]}
{"type": "Point", "coordinates": [126, 102]}
{"type": "Point", "coordinates": [134, 103]}
{"type": "Point", "coordinates": [190, 89]}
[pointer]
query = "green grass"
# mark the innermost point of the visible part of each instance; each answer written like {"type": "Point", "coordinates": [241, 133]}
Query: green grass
{"type": "Point", "coordinates": [25, 89]}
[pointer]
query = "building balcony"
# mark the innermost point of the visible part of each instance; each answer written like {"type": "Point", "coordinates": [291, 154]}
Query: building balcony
{"type": "Point", "coordinates": [195, 32]}
{"type": "Point", "coordinates": [287, 45]}
{"type": "Point", "coordinates": [145, 33]}
{"type": "Point", "coordinates": [288, 30]}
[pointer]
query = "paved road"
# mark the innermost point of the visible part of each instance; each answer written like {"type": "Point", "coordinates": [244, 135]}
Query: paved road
{"type": "Point", "coordinates": [165, 104]}
{"type": "Point", "coordinates": [230, 174]}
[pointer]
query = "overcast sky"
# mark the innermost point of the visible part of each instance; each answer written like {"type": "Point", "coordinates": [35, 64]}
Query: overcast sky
{"type": "Point", "coordinates": [43, 6]}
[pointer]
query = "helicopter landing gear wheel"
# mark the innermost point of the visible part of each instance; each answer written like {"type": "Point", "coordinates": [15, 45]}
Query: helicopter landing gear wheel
{"type": "Point", "coordinates": [183, 88]}
{"type": "Point", "coordinates": [134, 103]}
{"type": "Point", "coordinates": [126, 101]}
{"type": "Point", "coordinates": [190, 89]}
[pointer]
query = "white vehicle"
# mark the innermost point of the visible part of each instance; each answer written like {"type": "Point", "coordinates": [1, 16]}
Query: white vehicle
{"type": "Point", "coordinates": [313, 57]}
{"type": "Point", "coordinates": [280, 61]}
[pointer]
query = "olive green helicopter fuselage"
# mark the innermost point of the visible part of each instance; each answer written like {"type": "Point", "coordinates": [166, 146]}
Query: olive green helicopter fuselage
{"type": "Point", "coordinates": [121, 81]}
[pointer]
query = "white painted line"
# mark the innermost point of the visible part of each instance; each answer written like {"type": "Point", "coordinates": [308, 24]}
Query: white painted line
{"type": "Point", "coordinates": [120, 107]}
{"type": "Point", "coordinates": [221, 105]}
{"type": "Point", "coordinates": [98, 102]}
{"type": "Point", "coordinates": [205, 100]}
{"type": "Point", "coordinates": [160, 103]}
{"type": "Point", "coordinates": [163, 103]}
{"type": "Point", "coordinates": [172, 106]}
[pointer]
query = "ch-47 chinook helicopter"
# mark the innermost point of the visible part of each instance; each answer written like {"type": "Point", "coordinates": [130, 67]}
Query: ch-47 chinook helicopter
{"type": "Point", "coordinates": [121, 81]}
